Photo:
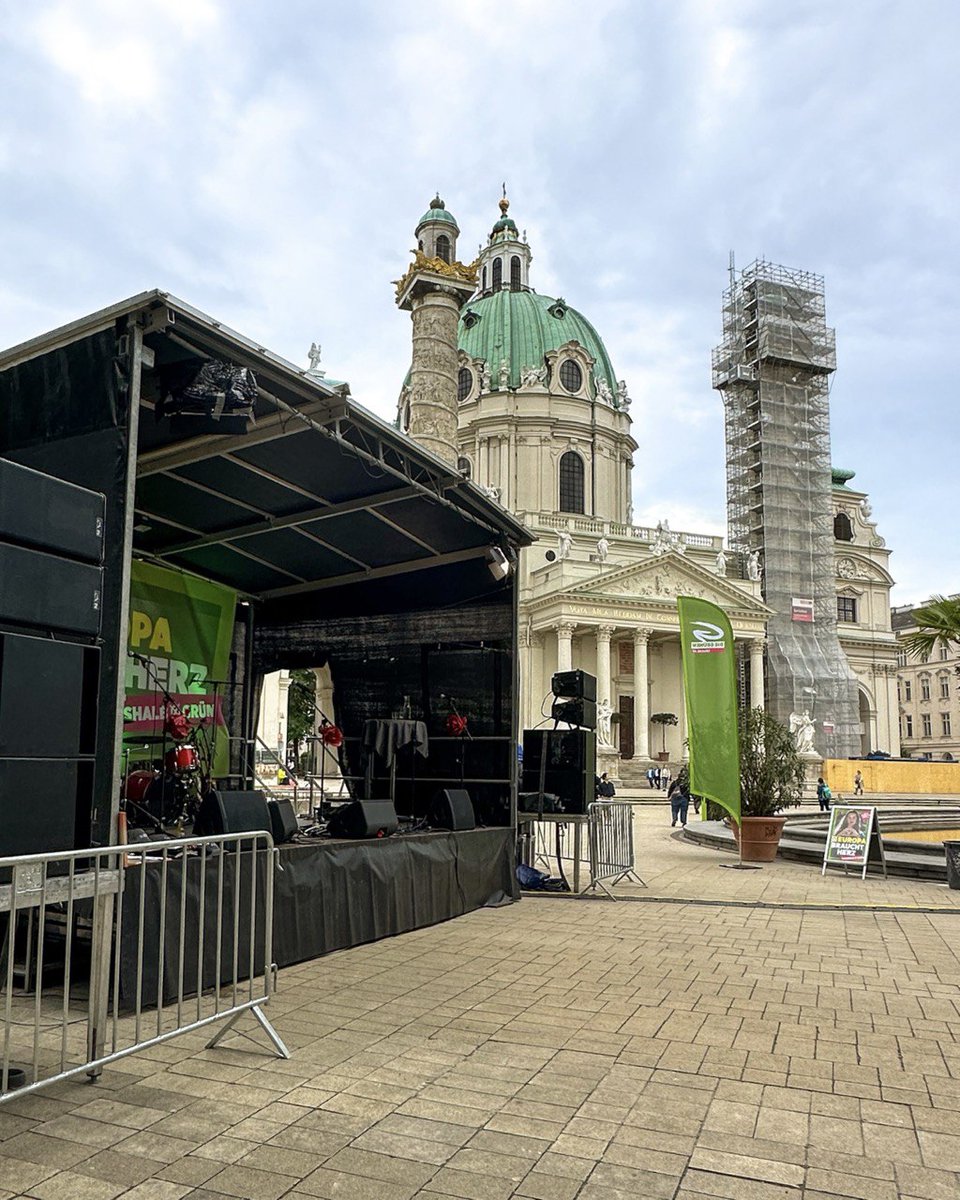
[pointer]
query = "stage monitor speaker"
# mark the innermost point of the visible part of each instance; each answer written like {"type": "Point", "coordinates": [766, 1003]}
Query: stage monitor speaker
{"type": "Point", "coordinates": [49, 592]}
{"type": "Point", "coordinates": [49, 513]}
{"type": "Point", "coordinates": [452, 808]}
{"type": "Point", "coordinates": [574, 685]}
{"type": "Point", "coordinates": [283, 818]}
{"type": "Point", "coordinates": [575, 712]}
{"type": "Point", "coordinates": [364, 819]}
{"type": "Point", "coordinates": [48, 697]}
{"type": "Point", "coordinates": [232, 812]}
{"type": "Point", "coordinates": [571, 764]}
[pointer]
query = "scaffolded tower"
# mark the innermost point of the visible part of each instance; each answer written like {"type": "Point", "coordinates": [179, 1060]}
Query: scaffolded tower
{"type": "Point", "coordinates": [772, 369]}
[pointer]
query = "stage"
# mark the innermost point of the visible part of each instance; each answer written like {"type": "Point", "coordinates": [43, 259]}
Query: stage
{"type": "Point", "coordinates": [330, 894]}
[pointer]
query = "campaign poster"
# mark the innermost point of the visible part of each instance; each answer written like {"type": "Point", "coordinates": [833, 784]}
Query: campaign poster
{"type": "Point", "coordinates": [848, 838]}
{"type": "Point", "coordinates": [178, 654]}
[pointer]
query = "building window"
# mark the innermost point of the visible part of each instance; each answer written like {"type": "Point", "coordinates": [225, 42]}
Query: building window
{"type": "Point", "coordinates": [901, 658]}
{"type": "Point", "coordinates": [944, 653]}
{"type": "Point", "coordinates": [464, 383]}
{"type": "Point", "coordinates": [945, 724]}
{"type": "Point", "coordinates": [846, 608]}
{"type": "Point", "coordinates": [907, 690]}
{"type": "Point", "coordinates": [927, 725]}
{"type": "Point", "coordinates": [571, 482]}
{"type": "Point", "coordinates": [443, 247]}
{"type": "Point", "coordinates": [497, 274]}
{"type": "Point", "coordinates": [570, 375]}
{"type": "Point", "coordinates": [515, 273]}
{"type": "Point", "coordinates": [899, 692]}
{"type": "Point", "coordinates": [907, 726]}
{"type": "Point", "coordinates": [842, 529]}
{"type": "Point", "coordinates": [944, 687]}
{"type": "Point", "coordinates": [483, 280]}
{"type": "Point", "coordinates": [463, 466]}
{"type": "Point", "coordinates": [924, 687]}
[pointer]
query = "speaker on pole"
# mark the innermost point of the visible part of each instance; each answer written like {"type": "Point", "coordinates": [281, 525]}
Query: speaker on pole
{"type": "Point", "coordinates": [574, 685]}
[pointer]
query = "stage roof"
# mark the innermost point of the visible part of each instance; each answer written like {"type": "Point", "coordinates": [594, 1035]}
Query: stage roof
{"type": "Point", "coordinates": [315, 494]}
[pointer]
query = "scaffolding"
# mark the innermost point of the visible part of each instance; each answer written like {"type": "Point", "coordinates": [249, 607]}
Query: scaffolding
{"type": "Point", "coordinates": [772, 369]}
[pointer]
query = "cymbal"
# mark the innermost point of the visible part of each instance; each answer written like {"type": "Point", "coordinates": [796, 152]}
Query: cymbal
{"type": "Point", "coordinates": [145, 739]}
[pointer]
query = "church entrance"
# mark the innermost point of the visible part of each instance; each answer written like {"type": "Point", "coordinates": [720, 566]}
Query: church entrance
{"type": "Point", "coordinates": [626, 726]}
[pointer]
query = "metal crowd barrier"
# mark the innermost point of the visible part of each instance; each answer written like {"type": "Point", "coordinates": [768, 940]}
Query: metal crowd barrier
{"type": "Point", "coordinates": [194, 945]}
{"type": "Point", "coordinates": [612, 855]}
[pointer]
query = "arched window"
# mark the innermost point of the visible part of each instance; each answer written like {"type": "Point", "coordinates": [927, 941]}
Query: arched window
{"type": "Point", "coordinates": [570, 375]}
{"type": "Point", "coordinates": [463, 466]}
{"type": "Point", "coordinates": [497, 274]}
{"type": "Point", "coordinates": [842, 529]}
{"type": "Point", "coordinates": [515, 273]}
{"type": "Point", "coordinates": [464, 383]}
{"type": "Point", "coordinates": [443, 247]}
{"type": "Point", "coordinates": [483, 280]}
{"type": "Point", "coordinates": [571, 482]}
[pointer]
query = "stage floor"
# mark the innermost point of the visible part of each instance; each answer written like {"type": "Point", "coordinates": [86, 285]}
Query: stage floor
{"type": "Point", "coordinates": [330, 894]}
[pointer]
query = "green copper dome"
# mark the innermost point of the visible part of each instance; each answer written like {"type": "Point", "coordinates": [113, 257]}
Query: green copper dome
{"type": "Point", "coordinates": [505, 223]}
{"type": "Point", "coordinates": [438, 212]}
{"type": "Point", "coordinates": [521, 327]}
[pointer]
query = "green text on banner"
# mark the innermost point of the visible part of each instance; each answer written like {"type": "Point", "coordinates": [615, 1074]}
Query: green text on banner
{"type": "Point", "coordinates": [710, 692]}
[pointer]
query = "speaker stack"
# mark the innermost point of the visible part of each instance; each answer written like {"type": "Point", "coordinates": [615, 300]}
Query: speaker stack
{"type": "Point", "coordinates": [559, 765]}
{"type": "Point", "coordinates": [51, 581]}
{"type": "Point", "coordinates": [575, 700]}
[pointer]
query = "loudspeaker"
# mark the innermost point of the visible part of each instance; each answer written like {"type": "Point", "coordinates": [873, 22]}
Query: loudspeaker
{"type": "Point", "coordinates": [574, 685]}
{"type": "Point", "coordinates": [40, 801]}
{"type": "Point", "coordinates": [364, 819]}
{"type": "Point", "coordinates": [283, 820]}
{"type": "Point", "coordinates": [48, 591]}
{"type": "Point", "coordinates": [50, 514]}
{"type": "Point", "coordinates": [48, 697]}
{"type": "Point", "coordinates": [452, 808]}
{"type": "Point", "coordinates": [232, 812]}
{"type": "Point", "coordinates": [571, 763]}
{"type": "Point", "coordinates": [575, 712]}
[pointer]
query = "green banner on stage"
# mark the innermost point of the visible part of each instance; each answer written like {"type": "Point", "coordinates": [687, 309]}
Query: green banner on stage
{"type": "Point", "coordinates": [710, 692]}
{"type": "Point", "coordinates": [181, 630]}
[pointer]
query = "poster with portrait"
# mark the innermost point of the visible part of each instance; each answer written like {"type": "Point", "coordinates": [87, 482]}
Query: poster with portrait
{"type": "Point", "coordinates": [853, 839]}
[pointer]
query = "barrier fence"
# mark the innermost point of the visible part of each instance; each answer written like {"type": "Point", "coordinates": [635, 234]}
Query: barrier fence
{"type": "Point", "coordinates": [194, 915]}
{"type": "Point", "coordinates": [612, 855]}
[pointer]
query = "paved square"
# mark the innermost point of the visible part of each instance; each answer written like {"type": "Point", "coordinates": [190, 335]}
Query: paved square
{"type": "Point", "coordinates": [560, 1048]}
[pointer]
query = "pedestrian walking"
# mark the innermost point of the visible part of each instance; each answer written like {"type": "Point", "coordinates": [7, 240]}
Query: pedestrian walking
{"type": "Point", "coordinates": [679, 798]}
{"type": "Point", "coordinates": [665, 776]}
{"type": "Point", "coordinates": [650, 774]}
{"type": "Point", "coordinates": [858, 783]}
{"type": "Point", "coordinates": [824, 795]}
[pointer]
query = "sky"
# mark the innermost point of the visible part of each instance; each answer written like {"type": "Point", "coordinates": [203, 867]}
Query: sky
{"type": "Point", "coordinates": [267, 163]}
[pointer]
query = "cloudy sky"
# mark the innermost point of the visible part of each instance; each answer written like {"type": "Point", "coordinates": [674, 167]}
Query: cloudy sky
{"type": "Point", "coordinates": [267, 162]}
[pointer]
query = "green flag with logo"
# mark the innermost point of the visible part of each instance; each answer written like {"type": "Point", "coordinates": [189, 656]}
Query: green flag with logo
{"type": "Point", "coordinates": [710, 692]}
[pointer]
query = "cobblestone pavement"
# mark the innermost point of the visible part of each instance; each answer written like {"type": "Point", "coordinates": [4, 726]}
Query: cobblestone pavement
{"type": "Point", "coordinates": [559, 1048]}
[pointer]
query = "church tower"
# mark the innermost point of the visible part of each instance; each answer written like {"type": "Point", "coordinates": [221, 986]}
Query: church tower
{"type": "Point", "coordinates": [433, 291]}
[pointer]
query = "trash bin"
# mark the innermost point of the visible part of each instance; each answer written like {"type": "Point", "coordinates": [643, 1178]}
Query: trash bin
{"type": "Point", "coordinates": [953, 864]}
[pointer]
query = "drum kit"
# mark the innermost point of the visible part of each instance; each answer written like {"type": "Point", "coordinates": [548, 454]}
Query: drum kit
{"type": "Point", "coordinates": [165, 793]}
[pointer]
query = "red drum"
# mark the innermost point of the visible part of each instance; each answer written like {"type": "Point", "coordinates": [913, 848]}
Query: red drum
{"type": "Point", "coordinates": [135, 787]}
{"type": "Point", "coordinates": [181, 758]}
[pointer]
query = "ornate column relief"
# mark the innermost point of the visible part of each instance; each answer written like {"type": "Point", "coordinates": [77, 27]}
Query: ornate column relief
{"type": "Point", "coordinates": [756, 672]}
{"type": "Point", "coordinates": [604, 704]}
{"type": "Point", "coordinates": [564, 645]}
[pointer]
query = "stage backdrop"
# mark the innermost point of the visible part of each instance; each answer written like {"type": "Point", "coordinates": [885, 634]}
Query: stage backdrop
{"type": "Point", "coordinates": [181, 629]}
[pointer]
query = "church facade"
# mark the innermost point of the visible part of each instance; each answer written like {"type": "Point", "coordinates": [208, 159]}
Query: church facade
{"type": "Point", "coordinates": [539, 420]}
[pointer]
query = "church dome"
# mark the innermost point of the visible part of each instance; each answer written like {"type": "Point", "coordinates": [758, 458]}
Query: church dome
{"type": "Point", "coordinates": [437, 212]}
{"type": "Point", "coordinates": [521, 327]}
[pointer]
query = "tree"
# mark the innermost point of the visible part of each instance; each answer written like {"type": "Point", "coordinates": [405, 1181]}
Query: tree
{"type": "Point", "coordinates": [938, 624]}
{"type": "Point", "coordinates": [663, 720]}
{"type": "Point", "coordinates": [301, 711]}
{"type": "Point", "coordinates": [771, 769]}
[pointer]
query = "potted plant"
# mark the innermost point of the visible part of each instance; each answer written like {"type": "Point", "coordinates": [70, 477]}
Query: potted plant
{"type": "Point", "coordinates": [663, 720]}
{"type": "Point", "coordinates": [771, 779]}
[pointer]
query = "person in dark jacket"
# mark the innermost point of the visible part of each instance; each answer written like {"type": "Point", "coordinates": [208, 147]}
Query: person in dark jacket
{"type": "Point", "coordinates": [679, 797]}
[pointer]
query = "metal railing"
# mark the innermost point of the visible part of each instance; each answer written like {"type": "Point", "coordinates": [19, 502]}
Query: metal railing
{"type": "Point", "coordinates": [612, 856]}
{"type": "Point", "coordinates": [124, 947]}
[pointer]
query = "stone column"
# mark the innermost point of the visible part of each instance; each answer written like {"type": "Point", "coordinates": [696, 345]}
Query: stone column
{"type": "Point", "coordinates": [603, 635]}
{"type": "Point", "coordinates": [538, 687]}
{"type": "Point", "coordinates": [564, 645]}
{"type": "Point", "coordinates": [756, 672]}
{"type": "Point", "coordinates": [641, 690]}
{"type": "Point", "coordinates": [433, 374]}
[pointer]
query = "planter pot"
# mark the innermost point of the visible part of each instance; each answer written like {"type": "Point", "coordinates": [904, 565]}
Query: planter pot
{"type": "Point", "coordinates": [663, 756]}
{"type": "Point", "coordinates": [759, 837]}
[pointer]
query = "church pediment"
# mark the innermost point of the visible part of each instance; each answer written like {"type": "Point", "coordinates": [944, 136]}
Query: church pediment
{"type": "Point", "coordinates": [663, 579]}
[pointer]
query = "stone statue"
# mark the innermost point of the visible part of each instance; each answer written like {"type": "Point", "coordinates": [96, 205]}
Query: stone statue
{"type": "Point", "coordinates": [603, 549]}
{"type": "Point", "coordinates": [721, 564]}
{"type": "Point", "coordinates": [533, 376]}
{"type": "Point", "coordinates": [665, 540]}
{"type": "Point", "coordinates": [754, 570]}
{"type": "Point", "coordinates": [623, 399]}
{"type": "Point", "coordinates": [504, 374]}
{"type": "Point", "coordinates": [314, 356]}
{"type": "Point", "coordinates": [801, 726]}
{"type": "Point", "coordinates": [603, 388]}
{"type": "Point", "coordinates": [865, 509]}
{"type": "Point", "coordinates": [485, 376]}
{"type": "Point", "coordinates": [604, 713]}
{"type": "Point", "coordinates": [564, 545]}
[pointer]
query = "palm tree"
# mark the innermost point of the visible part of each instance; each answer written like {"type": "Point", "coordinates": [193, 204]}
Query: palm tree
{"type": "Point", "coordinates": [938, 624]}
